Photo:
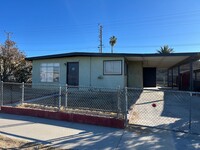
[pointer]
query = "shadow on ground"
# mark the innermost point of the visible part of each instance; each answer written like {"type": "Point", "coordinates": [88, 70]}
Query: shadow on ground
{"type": "Point", "coordinates": [80, 136]}
{"type": "Point", "coordinates": [76, 136]}
{"type": "Point", "coordinates": [156, 139]}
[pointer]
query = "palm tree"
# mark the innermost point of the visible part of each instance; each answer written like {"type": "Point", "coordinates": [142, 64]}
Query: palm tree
{"type": "Point", "coordinates": [165, 50]}
{"type": "Point", "coordinates": [113, 41]}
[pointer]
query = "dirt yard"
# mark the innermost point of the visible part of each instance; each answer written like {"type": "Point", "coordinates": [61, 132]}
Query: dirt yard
{"type": "Point", "coordinates": [13, 144]}
{"type": "Point", "coordinates": [7, 143]}
{"type": "Point", "coordinates": [73, 111]}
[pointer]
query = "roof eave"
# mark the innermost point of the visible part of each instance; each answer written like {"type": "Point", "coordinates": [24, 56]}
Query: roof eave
{"type": "Point", "coordinates": [85, 54]}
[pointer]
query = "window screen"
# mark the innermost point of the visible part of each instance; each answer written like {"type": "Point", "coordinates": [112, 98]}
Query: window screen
{"type": "Point", "coordinates": [49, 72]}
{"type": "Point", "coordinates": [113, 67]}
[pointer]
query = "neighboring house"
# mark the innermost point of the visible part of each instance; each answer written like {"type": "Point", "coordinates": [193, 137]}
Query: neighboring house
{"type": "Point", "coordinates": [109, 70]}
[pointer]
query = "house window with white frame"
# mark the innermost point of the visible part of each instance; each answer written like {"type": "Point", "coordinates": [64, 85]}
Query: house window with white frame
{"type": "Point", "coordinates": [49, 72]}
{"type": "Point", "coordinates": [112, 67]}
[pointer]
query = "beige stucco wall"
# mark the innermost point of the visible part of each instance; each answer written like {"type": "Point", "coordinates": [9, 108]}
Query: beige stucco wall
{"type": "Point", "coordinates": [90, 68]}
{"type": "Point", "coordinates": [135, 74]}
{"type": "Point", "coordinates": [83, 69]}
{"type": "Point", "coordinates": [113, 81]}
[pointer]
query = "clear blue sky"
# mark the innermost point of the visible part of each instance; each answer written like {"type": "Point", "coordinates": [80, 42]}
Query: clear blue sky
{"type": "Point", "coordinates": [42, 27]}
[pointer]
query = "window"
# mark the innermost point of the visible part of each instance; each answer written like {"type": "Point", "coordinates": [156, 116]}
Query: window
{"type": "Point", "coordinates": [49, 72]}
{"type": "Point", "coordinates": [112, 67]}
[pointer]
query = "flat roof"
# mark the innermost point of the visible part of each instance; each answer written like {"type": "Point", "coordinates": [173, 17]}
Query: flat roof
{"type": "Point", "coordinates": [149, 60]}
{"type": "Point", "coordinates": [86, 54]}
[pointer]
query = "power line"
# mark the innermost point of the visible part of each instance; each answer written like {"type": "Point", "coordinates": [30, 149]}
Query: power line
{"type": "Point", "coordinates": [88, 28]}
{"type": "Point", "coordinates": [107, 34]}
{"type": "Point", "coordinates": [69, 49]}
{"type": "Point", "coordinates": [171, 45]}
{"type": "Point", "coordinates": [134, 21]}
{"type": "Point", "coordinates": [130, 46]}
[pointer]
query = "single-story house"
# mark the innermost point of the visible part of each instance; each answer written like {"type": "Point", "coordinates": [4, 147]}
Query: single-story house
{"type": "Point", "coordinates": [109, 70]}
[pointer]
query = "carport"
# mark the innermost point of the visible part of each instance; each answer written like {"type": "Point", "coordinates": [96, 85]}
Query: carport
{"type": "Point", "coordinates": [146, 64]}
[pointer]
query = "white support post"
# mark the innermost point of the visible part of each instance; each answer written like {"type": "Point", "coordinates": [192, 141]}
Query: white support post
{"type": "Point", "coordinates": [22, 93]}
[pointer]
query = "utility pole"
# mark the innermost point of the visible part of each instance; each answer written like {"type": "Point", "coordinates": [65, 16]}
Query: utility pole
{"type": "Point", "coordinates": [8, 34]}
{"type": "Point", "coordinates": [100, 38]}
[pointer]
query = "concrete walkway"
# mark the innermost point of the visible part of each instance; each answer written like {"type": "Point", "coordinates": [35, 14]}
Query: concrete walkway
{"type": "Point", "coordinates": [68, 135]}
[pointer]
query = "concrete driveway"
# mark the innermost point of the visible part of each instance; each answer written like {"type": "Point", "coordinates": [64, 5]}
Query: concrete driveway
{"type": "Point", "coordinates": [70, 135]}
{"type": "Point", "coordinates": [173, 109]}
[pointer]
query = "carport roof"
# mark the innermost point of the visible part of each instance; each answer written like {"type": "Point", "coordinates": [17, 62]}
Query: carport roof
{"type": "Point", "coordinates": [149, 60]}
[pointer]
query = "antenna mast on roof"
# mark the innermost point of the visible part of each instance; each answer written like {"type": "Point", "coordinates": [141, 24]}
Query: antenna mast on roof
{"type": "Point", "coordinates": [100, 38]}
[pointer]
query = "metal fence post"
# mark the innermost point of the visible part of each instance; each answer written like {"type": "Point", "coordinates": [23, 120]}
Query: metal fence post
{"type": "Point", "coordinates": [118, 101]}
{"type": "Point", "coordinates": [66, 95]}
{"type": "Point", "coordinates": [126, 105]}
{"type": "Point", "coordinates": [1, 93]}
{"type": "Point", "coordinates": [59, 101]}
{"type": "Point", "coordinates": [190, 112]}
{"type": "Point", "coordinates": [22, 93]}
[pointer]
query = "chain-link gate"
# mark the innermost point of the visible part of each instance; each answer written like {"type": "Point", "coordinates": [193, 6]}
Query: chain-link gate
{"type": "Point", "coordinates": [195, 113]}
{"type": "Point", "coordinates": [164, 109]}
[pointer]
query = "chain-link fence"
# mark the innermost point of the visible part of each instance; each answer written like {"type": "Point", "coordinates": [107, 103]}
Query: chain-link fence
{"type": "Point", "coordinates": [195, 113]}
{"type": "Point", "coordinates": [103, 99]}
{"type": "Point", "coordinates": [41, 95]}
{"type": "Point", "coordinates": [11, 93]}
{"type": "Point", "coordinates": [76, 99]}
{"type": "Point", "coordinates": [164, 109]}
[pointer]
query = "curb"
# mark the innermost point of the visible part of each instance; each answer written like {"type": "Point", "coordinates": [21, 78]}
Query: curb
{"type": "Point", "coordinates": [79, 118]}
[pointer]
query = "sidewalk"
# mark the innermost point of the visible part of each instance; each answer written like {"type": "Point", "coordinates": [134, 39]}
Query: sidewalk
{"type": "Point", "coordinates": [70, 135]}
